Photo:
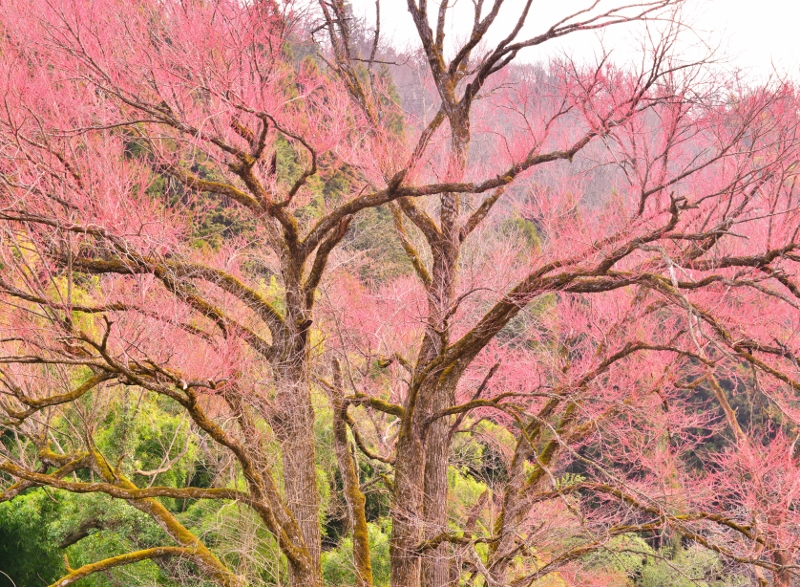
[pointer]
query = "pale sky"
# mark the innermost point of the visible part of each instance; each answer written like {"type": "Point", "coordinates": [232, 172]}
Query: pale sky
{"type": "Point", "coordinates": [751, 35]}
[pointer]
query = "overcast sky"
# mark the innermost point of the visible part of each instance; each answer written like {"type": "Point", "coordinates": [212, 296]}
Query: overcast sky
{"type": "Point", "coordinates": [753, 35]}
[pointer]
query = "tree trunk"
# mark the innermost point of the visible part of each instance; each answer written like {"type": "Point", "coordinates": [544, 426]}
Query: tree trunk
{"type": "Point", "coordinates": [436, 562]}
{"type": "Point", "coordinates": [407, 526]}
{"type": "Point", "coordinates": [421, 492]}
{"type": "Point", "coordinates": [295, 431]}
{"type": "Point", "coordinates": [783, 577]}
{"type": "Point", "coordinates": [436, 394]}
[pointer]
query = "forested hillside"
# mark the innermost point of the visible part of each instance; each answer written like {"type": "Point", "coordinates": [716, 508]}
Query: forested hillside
{"type": "Point", "coordinates": [281, 304]}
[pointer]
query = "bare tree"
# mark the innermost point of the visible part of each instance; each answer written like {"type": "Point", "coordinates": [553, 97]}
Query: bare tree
{"type": "Point", "coordinates": [126, 126]}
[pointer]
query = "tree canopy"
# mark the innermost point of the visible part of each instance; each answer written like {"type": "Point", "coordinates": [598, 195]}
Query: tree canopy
{"type": "Point", "coordinates": [282, 305]}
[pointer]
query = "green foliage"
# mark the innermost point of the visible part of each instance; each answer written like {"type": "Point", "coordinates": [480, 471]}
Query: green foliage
{"type": "Point", "coordinates": [670, 566]}
{"type": "Point", "coordinates": [463, 489]}
{"type": "Point", "coordinates": [568, 480]}
{"type": "Point", "coordinates": [688, 567]}
{"type": "Point", "coordinates": [28, 553]}
{"type": "Point", "coordinates": [480, 458]}
{"type": "Point", "coordinates": [524, 230]}
{"type": "Point", "coordinates": [119, 528]}
{"type": "Point", "coordinates": [372, 233]}
{"type": "Point", "coordinates": [236, 535]}
{"type": "Point", "coordinates": [626, 555]}
{"type": "Point", "coordinates": [337, 565]}
{"type": "Point", "coordinates": [150, 433]}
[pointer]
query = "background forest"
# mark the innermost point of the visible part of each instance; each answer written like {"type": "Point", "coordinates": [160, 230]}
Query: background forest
{"type": "Point", "coordinates": [282, 305]}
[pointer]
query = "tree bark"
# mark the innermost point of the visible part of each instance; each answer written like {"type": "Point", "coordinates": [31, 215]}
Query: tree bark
{"type": "Point", "coordinates": [436, 562]}
{"type": "Point", "coordinates": [783, 577]}
{"type": "Point", "coordinates": [295, 431]}
{"type": "Point", "coordinates": [441, 395]}
{"type": "Point", "coordinates": [407, 527]}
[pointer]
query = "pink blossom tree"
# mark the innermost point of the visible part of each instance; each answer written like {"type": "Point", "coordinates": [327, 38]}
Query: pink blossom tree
{"type": "Point", "coordinates": [599, 266]}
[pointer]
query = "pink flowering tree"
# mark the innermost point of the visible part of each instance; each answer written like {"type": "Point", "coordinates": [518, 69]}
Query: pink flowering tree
{"type": "Point", "coordinates": [598, 264]}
